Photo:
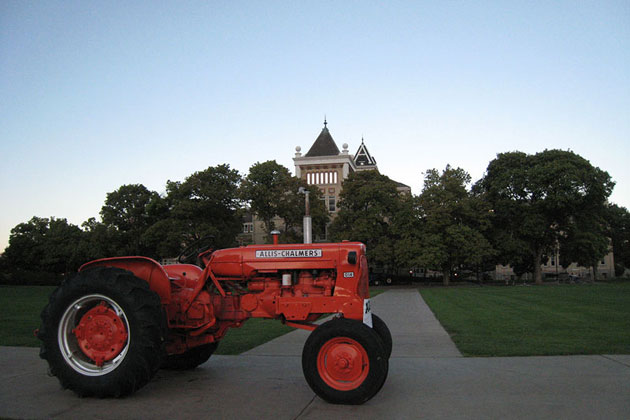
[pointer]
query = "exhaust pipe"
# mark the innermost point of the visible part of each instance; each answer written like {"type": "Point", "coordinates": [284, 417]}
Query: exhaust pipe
{"type": "Point", "coordinates": [308, 230]}
{"type": "Point", "coordinates": [307, 223]}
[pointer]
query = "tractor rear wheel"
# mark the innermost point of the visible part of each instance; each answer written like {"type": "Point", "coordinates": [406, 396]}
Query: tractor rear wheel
{"type": "Point", "coordinates": [102, 333]}
{"type": "Point", "coordinates": [190, 359]}
{"type": "Point", "coordinates": [344, 362]}
{"type": "Point", "coordinates": [386, 337]}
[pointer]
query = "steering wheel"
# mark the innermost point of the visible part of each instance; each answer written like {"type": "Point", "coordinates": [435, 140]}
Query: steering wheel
{"type": "Point", "coordinates": [191, 253]}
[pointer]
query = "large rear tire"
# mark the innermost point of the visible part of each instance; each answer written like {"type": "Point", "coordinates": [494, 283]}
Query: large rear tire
{"type": "Point", "coordinates": [190, 359]}
{"type": "Point", "coordinates": [102, 333]}
{"type": "Point", "coordinates": [344, 362]}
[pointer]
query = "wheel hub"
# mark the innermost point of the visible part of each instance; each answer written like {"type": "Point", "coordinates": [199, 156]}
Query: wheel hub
{"type": "Point", "coordinates": [101, 334]}
{"type": "Point", "coordinates": [343, 363]}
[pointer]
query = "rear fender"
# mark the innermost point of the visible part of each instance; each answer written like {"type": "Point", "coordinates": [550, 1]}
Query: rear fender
{"type": "Point", "coordinates": [145, 268]}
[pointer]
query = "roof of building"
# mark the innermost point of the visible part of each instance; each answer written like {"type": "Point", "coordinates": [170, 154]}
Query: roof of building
{"type": "Point", "coordinates": [324, 144]}
{"type": "Point", "coordinates": [247, 216]}
{"type": "Point", "coordinates": [401, 185]}
{"type": "Point", "coordinates": [363, 158]}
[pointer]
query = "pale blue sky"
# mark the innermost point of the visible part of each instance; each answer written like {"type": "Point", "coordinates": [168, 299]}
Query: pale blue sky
{"type": "Point", "coordinates": [94, 95]}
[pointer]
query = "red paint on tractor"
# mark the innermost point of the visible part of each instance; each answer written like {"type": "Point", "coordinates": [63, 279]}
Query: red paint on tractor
{"type": "Point", "coordinates": [343, 363]}
{"type": "Point", "coordinates": [247, 282]}
{"type": "Point", "coordinates": [293, 283]}
{"type": "Point", "coordinates": [145, 268]}
{"type": "Point", "coordinates": [101, 334]}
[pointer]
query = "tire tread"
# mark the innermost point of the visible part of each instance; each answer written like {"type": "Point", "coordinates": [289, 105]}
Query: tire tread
{"type": "Point", "coordinates": [143, 309]}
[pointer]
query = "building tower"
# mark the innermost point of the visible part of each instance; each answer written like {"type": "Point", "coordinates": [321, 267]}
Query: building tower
{"type": "Point", "coordinates": [325, 166]}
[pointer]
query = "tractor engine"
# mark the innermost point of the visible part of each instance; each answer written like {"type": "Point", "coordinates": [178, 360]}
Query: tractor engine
{"type": "Point", "coordinates": [296, 284]}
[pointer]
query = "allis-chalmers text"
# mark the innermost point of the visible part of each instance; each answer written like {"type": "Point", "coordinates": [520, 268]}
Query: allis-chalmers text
{"type": "Point", "coordinates": [289, 253]}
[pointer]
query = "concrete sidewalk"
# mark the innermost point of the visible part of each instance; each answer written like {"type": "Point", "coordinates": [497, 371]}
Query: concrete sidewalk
{"type": "Point", "coordinates": [266, 385]}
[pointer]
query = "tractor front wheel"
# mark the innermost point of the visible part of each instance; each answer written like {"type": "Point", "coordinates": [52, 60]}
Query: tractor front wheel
{"type": "Point", "coordinates": [344, 362]}
{"type": "Point", "coordinates": [102, 333]}
{"type": "Point", "coordinates": [383, 331]}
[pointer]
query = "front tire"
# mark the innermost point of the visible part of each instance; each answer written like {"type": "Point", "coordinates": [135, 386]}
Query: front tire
{"type": "Point", "coordinates": [102, 333]}
{"type": "Point", "coordinates": [383, 332]}
{"type": "Point", "coordinates": [344, 362]}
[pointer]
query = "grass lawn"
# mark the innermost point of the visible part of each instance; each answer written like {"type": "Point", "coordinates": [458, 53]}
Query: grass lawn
{"type": "Point", "coordinates": [20, 307]}
{"type": "Point", "coordinates": [540, 320]}
{"type": "Point", "coordinates": [255, 331]}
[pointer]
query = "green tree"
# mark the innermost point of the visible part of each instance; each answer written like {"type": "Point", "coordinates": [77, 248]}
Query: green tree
{"type": "Point", "coordinates": [585, 242]}
{"type": "Point", "coordinates": [535, 198]}
{"type": "Point", "coordinates": [264, 188]}
{"type": "Point", "coordinates": [454, 223]}
{"type": "Point", "coordinates": [205, 204]}
{"type": "Point", "coordinates": [406, 228]}
{"type": "Point", "coordinates": [130, 211]}
{"type": "Point", "coordinates": [369, 204]}
{"type": "Point", "coordinates": [168, 237]}
{"type": "Point", "coordinates": [99, 241]}
{"type": "Point", "coordinates": [272, 192]}
{"type": "Point", "coordinates": [619, 232]}
{"type": "Point", "coordinates": [44, 244]}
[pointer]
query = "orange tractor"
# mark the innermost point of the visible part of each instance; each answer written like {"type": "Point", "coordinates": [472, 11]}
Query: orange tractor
{"type": "Point", "coordinates": [106, 331]}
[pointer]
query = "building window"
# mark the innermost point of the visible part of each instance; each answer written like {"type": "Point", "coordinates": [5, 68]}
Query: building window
{"type": "Point", "coordinates": [331, 203]}
{"type": "Point", "coordinates": [322, 178]}
{"type": "Point", "coordinates": [248, 227]}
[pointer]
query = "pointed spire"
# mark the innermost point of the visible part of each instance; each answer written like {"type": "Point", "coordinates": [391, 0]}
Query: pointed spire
{"type": "Point", "coordinates": [324, 144]}
{"type": "Point", "coordinates": [363, 159]}
{"type": "Point", "coordinates": [325, 122]}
